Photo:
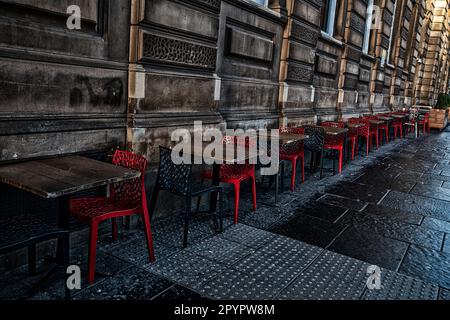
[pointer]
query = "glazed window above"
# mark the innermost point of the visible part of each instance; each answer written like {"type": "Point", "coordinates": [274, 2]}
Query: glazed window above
{"type": "Point", "coordinates": [262, 2]}
{"type": "Point", "coordinates": [331, 16]}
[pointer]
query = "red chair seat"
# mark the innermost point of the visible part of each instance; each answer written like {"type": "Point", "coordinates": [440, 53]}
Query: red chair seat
{"type": "Point", "coordinates": [231, 177]}
{"type": "Point", "coordinates": [100, 208]}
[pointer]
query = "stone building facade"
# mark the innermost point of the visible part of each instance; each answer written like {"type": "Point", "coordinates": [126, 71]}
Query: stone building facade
{"type": "Point", "coordinates": [137, 69]}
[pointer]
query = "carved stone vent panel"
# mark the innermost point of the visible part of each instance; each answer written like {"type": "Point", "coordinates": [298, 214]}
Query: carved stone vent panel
{"type": "Point", "coordinates": [384, 41]}
{"type": "Point", "coordinates": [357, 23]}
{"type": "Point", "coordinates": [304, 34]}
{"type": "Point", "coordinates": [157, 48]}
{"type": "Point", "coordinates": [300, 73]}
{"type": "Point", "coordinates": [317, 3]}
{"type": "Point", "coordinates": [387, 17]}
{"type": "Point", "coordinates": [210, 3]}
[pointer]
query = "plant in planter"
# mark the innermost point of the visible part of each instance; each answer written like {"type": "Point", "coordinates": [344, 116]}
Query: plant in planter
{"type": "Point", "coordinates": [439, 115]}
{"type": "Point", "coordinates": [443, 101]}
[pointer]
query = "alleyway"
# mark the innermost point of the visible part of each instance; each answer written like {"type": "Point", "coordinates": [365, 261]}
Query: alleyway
{"type": "Point", "coordinates": [391, 209]}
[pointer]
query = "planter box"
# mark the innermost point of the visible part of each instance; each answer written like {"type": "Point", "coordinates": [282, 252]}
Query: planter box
{"type": "Point", "coordinates": [438, 118]}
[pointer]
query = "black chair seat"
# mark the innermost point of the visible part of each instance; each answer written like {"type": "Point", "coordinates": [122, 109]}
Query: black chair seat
{"type": "Point", "coordinates": [21, 231]}
{"type": "Point", "coordinates": [198, 188]}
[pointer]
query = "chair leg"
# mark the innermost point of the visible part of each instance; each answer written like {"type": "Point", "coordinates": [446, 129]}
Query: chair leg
{"type": "Point", "coordinates": [341, 158]}
{"type": "Point", "coordinates": [114, 228]}
{"type": "Point", "coordinates": [32, 259]}
{"type": "Point", "coordinates": [221, 210]}
{"type": "Point", "coordinates": [353, 148]}
{"type": "Point", "coordinates": [367, 145]}
{"type": "Point", "coordinates": [254, 191]}
{"type": "Point", "coordinates": [153, 200]}
{"type": "Point", "coordinates": [237, 192]}
{"type": "Point", "coordinates": [334, 165]}
{"type": "Point", "coordinates": [148, 235]}
{"type": "Point", "coordinates": [66, 262]}
{"type": "Point", "coordinates": [187, 215]}
{"type": "Point", "coordinates": [294, 173]}
{"type": "Point", "coordinates": [321, 164]}
{"type": "Point", "coordinates": [92, 251]}
{"type": "Point", "coordinates": [377, 137]}
{"type": "Point", "coordinates": [200, 196]}
{"type": "Point", "coordinates": [303, 168]}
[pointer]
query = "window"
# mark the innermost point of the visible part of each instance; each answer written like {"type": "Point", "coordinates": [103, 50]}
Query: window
{"type": "Point", "coordinates": [412, 35]}
{"type": "Point", "coordinates": [328, 16]}
{"type": "Point", "coordinates": [262, 2]}
{"type": "Point", "coordinates": [394, 27]}
{"type": "Point", "coordinates": [331, 15]}
{"type": "Point", "coordinates": [368, 29]}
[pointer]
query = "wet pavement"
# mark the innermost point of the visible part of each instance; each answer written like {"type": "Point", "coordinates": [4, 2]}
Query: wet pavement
{"type": "Point", "coordinates": [391, 209]}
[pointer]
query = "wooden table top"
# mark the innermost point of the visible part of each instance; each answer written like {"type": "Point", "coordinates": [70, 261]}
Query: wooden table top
{"type": "Point", "coordinates": [354, 125]}
{"type": "Point", "coordinates": [61, 176]}
{"type": "Point", "coordinates": [286, 137]}
{"type": "Point", "coordinates": [229, 154]}
{"type": "Point", "coordinates": [332, 131]}
{"type": "Point", "coordinates": [398, 116]}
{"type": "Point", "coordinates": [385, 118]}
{"type": "Point", "coordinates": [376, 122]}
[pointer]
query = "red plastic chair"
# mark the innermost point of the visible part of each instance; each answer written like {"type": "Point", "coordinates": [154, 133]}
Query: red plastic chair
{"type": "Point", "coordinates": [397, 124]}
{"type": "Point", "coordinates": [292, 152]}
{"type": "Point", "coordinates": [425, 123]}
{"type": "Point", "coordinates": [365, 131]}
{"type": "Point", "coordinates": [235, 174]}
{"type": "Point", "coordinates": [335, 142]}
{"type": "Point", "coordinates": [382, 128]}
{"type": "Point", "coordinates": [126, 199]}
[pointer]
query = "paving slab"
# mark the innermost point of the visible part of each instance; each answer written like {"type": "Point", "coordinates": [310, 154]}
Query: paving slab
{"type": "Point", "coordinates": [331, 277]}
{"type": "Point", "coordinates": [395, 286]}
{"type": "Point", "coordinates": [427, 264]}
{"type": "Point", "coordinates": [310, 230]}
{"type": "Point", "coordinates": [130, 284]}
{"type": "Point", "coordinates": [370, 247]}
{"type": "Point", "coordinates": [343, 202]}
{"type": "Point", "coordinates": [417, 204]}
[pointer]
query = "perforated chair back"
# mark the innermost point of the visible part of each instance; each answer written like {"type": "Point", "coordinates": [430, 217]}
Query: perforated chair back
{"type": "Point", "coordinates": [174, 178]}
{"type": "Point", "coordinates": [131, 191]}
{"type": "Point", "coordinates": [316, 138]}
{"type": "Point", "coordinates": [334, 124]}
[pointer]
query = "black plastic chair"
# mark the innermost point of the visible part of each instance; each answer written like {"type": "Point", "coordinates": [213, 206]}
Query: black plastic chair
{"type": "Point", "coordinates": [177, 179]}
{"type": "Point", "coordinates": [26, 231]}
{"type": "Point", "coordinates": [314, 144]}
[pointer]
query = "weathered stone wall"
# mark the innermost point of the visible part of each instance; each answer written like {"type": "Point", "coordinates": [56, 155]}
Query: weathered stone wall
{"type": "Point", "coordinates": [174, 53]}
{"type": "Point", "coordinates": [62, 91]}
{"type": "Point", "coordinates": [206, 60]}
